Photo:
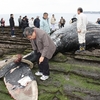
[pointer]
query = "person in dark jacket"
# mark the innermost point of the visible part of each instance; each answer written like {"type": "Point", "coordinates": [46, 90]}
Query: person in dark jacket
{"type": "Point", "coordinates": [37, 22]}
{"type": "Point", "coordinates": [12, 25]}
{"type": "Point", "coordinates": [98, 21]}
{"type": "Point", "coordinates": [74, 19]}
{"type": "Point", "coordinates": [62, 22]}
{"type": "Point", "coordinates": [27, 21]}
{"type": "Point", "coordinates": [20, 21]}
{"type": "Point", "coordinates": [23, 24]}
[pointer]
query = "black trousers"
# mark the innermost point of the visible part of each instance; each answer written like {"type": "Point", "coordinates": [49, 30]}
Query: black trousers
{"type": "Point", "coordinates": [44, 66]}
{"type": "Point", "coordinates": [62, 25]}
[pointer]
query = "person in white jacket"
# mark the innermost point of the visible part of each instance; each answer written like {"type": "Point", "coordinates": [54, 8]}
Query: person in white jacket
{"type": "Point", "coordinates": [31, 22]}
{"type": "Point", "coordinates": [81, 29]}
{"type": "Point", "coordinates": [53, 23]}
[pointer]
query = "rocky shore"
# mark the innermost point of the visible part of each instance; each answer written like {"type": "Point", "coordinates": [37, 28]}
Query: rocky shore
{"type": "Point", "coordinates": [73, 76]}
{"type": "Point", "coordinates": [10, 44]}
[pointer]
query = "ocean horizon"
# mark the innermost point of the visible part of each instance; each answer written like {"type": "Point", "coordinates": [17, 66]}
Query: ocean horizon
{"type": "Point", "coordinates": [67, 16]}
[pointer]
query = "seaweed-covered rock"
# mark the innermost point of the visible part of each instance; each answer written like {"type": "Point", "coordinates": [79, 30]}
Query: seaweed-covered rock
{"type": "Point", "coordinates": [93, 55]}
{"type": "Point", "coordinates": [60, 58]}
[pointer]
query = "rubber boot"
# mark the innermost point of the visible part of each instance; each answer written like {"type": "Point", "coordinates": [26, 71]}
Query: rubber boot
{"type": "Point", "coordinates": [84, 45]}
{"type": "Point", "coordinates": [81, 48]}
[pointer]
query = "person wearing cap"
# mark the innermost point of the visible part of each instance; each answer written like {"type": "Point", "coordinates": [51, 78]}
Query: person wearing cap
{"type": "Point", "coordinates": [44, 48]}
{"type": "Point", "coordinates": [81, 29]}
{"type": "Point", "coordinates": [74, 19]}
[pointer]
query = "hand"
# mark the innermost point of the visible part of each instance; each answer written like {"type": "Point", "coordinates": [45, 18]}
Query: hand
{"type": "Point", "coordinates": [41, 60]}
{"type": "Point", "coordinates": [79, 31]}
{"type": "Point", "coordinates": [18, 58]}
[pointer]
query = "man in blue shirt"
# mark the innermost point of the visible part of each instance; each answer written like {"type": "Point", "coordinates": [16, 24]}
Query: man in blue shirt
{"type": "Point", "coordinates": [44, 23]}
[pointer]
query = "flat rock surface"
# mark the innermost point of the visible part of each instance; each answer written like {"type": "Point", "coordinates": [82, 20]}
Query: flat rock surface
{"type": "Point", "coordinates": [13, 44]}
{"type": "Point", "coordinates": [95, 53]}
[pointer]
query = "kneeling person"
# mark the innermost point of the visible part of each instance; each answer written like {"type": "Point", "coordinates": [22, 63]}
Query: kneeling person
{"type": "Point", "coordinates": [45, 48]}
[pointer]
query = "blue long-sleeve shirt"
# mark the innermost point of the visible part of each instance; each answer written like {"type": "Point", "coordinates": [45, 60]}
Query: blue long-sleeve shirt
{"type": "Point", "coordinates": [44, 25]}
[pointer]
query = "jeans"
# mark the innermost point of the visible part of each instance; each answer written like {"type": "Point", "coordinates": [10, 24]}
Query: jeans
{"type": "Point", "coordinates": [12, 31]}
{"type": "Point", "coordinates": [62, 25]}
{"type": "Point", "coordinates": [44, 66]}
{"type": "Point", "coordinates": [2, 28]}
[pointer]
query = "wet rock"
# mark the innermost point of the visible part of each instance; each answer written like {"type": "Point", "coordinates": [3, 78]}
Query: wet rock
{"type": "Point", "coordinates": [93, 55]}
{"type": "Point", "coordinates": [80, 93]}
{"type": "Point", "coordinates": [60, 58]}
{"type": "Point", "coordinates": [13, 44]}
{"type": "Point", "coordinates": [69, 82]}
{"type": "Point", "coordinates": [55, 98]}
{"type": "Point", "coordinates": [92, 98]}
{"type": "Point", "coordinates": [1, 53]}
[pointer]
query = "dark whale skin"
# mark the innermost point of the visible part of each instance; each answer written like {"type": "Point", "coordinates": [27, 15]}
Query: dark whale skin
{"type": "Point", "coordinates": [66, 39]}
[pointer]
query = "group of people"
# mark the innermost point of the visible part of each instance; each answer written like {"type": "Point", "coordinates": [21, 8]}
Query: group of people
{"type": "Point", "coordinates": [60, 24]}
{"type": "Point", "coordinates": [25, 22]}
{"type": "Point", "coordinates": [37, 32]}
{"type": "Point", "coordinates": [42, 24]}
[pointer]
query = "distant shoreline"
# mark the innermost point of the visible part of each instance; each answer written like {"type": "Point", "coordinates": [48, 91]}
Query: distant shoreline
{"type": "Point", "coordinates": [91, 12]}
{"type": "Point", "coordinates": [66, 16]}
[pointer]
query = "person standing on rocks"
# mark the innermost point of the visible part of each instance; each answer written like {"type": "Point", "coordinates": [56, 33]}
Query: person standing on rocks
{"type": "Point", "coordinates": [23, 24]}
{"type": "Point", "coordinates": [62, 22]}
{"type": "Point", "coordinates": [2, 24]}
{"type": "Point", "coordinates": [20, 21]}
{"type": "Point", "coordinates": [53, 23]}
{"type": "Point", "coordinates": [27, 21]}
{"type": "Point", "coordinates": [44, 23]}
{"type": "Point", "coordinates": [98, 21]}
{"type": "Point", "coordinates": [12, 25]}
{"type": "Point", "coordinates": [74, 19]}
{"type": "Point", "coordinates": [37, 22]}
{"type": "Point", "coordinates": [81, 29]}
{"type": "Point", "coordinates": [31, 22]}
{"type": "Point", "coordinates": [44, 48]}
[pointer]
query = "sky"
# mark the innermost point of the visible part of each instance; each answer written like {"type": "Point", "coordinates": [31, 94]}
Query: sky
{"type": "Point", "coordinates": [50, 6]}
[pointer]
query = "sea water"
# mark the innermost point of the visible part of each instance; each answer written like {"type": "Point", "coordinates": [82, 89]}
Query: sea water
{"type": "Point", "coordinates": [66, 16]}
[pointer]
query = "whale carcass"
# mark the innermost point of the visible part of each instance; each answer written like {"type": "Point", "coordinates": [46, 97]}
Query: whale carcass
{"type": "Point", "coordinates": [66, 39]}
{"type": "Point", "coordinates": [19, 79]}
